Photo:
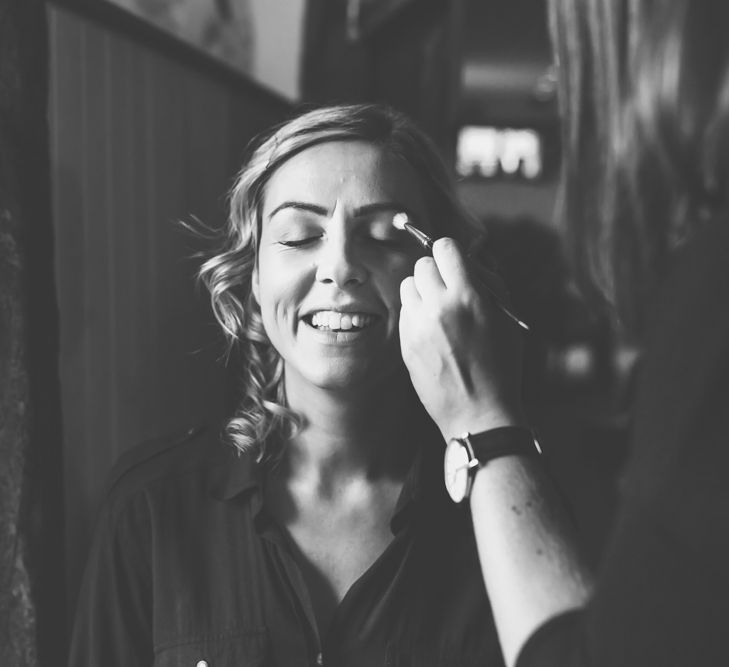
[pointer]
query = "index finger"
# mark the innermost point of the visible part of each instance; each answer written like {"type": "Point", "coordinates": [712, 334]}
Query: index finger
{"type": "Point", "coordinates": [451, 263]}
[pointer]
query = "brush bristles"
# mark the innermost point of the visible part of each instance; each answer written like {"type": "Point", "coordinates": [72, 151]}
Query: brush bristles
{"type": "Point", "coordinates": [399, 220]}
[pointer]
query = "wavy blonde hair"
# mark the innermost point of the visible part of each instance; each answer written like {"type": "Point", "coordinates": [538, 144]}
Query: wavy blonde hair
{"type": "Point", "coordinates": [262, 421]}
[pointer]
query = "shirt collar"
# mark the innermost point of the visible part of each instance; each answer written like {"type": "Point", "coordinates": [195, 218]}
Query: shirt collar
{"type": "Point", "coordinates": [234, 473]}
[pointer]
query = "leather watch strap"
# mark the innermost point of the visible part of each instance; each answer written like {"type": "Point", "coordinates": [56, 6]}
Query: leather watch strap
{"type": "Point", "coordinates": [503, 441]}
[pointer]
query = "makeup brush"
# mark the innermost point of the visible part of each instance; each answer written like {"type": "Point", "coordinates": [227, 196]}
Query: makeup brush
{"type": "Point", "coordinates": [402, 221]}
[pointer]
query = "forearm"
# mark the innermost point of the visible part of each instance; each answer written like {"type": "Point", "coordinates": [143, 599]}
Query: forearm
{"type": "Point", "coordinates": [462, 355]}
{"type": "Point", "coordinates": [527, 548]}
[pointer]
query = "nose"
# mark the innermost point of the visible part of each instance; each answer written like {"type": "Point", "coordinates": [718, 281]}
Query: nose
{"type": "Point", "coordinates": [338, 262]}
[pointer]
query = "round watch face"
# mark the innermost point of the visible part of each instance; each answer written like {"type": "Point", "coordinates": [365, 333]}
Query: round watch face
{"type": "Point", "coordinates": [456, 470]}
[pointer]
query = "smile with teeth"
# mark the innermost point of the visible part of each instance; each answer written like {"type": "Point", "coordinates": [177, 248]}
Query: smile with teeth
{"type": "Point", "coordinates": [330, 320]}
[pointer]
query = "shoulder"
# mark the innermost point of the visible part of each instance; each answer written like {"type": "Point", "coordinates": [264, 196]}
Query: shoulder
{"type": "Point", "coordinates": [185, 457]}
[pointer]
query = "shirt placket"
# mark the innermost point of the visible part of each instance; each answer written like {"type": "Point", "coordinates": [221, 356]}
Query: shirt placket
{"type": "Point", "coordinates": [273, 536]}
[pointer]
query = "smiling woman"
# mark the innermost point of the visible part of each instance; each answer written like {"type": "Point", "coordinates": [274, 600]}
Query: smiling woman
{"type": "Point", "coordinates": [329, 251]}
{"type": "Point", "coordinates": [314, 529]}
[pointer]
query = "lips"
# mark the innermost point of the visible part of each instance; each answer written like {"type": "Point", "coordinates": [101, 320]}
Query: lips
{"type": "Point", "coordinates": [336, 320]}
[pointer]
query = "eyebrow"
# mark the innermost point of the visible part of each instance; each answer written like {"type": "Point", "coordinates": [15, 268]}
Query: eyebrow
{"type": "Point", "coordinates": [299, 206]}
{"type": "Point", "coordinates": [367, 209]}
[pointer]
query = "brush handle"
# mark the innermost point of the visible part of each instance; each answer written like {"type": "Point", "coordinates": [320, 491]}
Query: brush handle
{"type": "Point", "coordinates": [476, 269]}
{"type": "Point", "coordinates": [480, 274]}
{"type": "Point", "coordinates": [421, 237]}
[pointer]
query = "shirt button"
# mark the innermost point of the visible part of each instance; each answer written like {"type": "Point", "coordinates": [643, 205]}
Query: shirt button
{"type": "Point", "coordinates": [202, 663]}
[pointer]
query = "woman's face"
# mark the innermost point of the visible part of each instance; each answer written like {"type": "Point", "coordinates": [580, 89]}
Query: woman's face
{"type": "Point", "coordinates": [330, 263]}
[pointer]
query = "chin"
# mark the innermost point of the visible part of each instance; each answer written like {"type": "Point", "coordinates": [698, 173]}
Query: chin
{"type": "Point", "coordinates": [350, 378]}
{"type": "Point", "coordinates": [342, 381]}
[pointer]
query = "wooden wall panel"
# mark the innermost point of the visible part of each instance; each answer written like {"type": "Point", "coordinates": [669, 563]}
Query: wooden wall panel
{"type": "Point", "coordinates": [140, 140]}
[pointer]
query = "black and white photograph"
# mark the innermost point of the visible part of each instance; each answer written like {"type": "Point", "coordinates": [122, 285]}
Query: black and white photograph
{"type": "Point", "coordinates": [364, 333]}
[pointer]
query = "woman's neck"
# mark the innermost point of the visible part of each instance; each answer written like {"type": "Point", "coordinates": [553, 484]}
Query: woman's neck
{"type": "Point", "coordinates": [352, 433]}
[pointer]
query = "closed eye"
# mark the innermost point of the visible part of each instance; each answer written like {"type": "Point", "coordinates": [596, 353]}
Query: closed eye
{"type": "Point", "coordinates": [299, 242]}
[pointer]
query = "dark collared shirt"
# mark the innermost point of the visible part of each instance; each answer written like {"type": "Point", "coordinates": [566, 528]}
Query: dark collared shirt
{"type": "Point", "coordinates": [187, 566]}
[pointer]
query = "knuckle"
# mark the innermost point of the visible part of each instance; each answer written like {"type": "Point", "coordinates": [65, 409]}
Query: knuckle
{"type": "Point", "coordinates": [424, 264]}
{"type": "Point", "coordinates": [442, 307]}
{"type": "Point", "coordinates": [444, 244]}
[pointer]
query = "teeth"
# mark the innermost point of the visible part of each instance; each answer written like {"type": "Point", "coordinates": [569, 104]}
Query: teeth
{"type": "Point", "coordinates": [334, 321]}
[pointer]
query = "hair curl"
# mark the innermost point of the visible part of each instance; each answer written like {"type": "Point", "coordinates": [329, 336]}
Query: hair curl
{"type": "Point", "coordinates": [262, 420]}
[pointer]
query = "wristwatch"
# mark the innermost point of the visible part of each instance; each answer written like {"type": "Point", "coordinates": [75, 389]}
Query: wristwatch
{"type": "Point", "coordinates": [464, 455]}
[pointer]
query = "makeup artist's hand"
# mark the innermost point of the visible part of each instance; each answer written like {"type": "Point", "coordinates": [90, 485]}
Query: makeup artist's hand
{"type": "Point", "coordinates": [463, 354]}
